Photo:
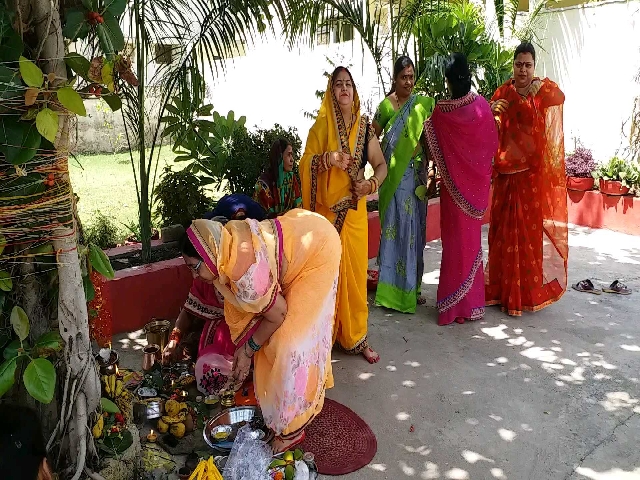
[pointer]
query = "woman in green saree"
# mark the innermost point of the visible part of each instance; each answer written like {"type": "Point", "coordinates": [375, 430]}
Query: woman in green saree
{"type": "Point", "coordinates": [403, 209]}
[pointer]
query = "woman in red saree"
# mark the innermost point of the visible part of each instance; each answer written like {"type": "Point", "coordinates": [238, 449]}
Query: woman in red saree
{"type": "Point", "coordinates": [462, 139]}
{"type": "Point", "coordinates": [528, 247]}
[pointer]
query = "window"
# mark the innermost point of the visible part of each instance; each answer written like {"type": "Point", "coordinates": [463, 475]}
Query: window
{"type": "Point", "coordinates": [163, 54]}
{"type": "Point", "coordinates": [324, 35]}
{"type": "Point", "coordinates": [344, 32]}
{"type": "Point", "coordinates": [338, 32]}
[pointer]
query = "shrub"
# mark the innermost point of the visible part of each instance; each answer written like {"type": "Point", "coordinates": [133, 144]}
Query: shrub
{"type": "Point", "coordinates": [250, 156]}
{"type": "Point", "coordinates": [616, 169]}
{"type": "Point", "coordinates": [580, 164]}
{"type": "Point", "coordinates": [102, 231]}
{"type": "Point", "coordinates": [180, 198]}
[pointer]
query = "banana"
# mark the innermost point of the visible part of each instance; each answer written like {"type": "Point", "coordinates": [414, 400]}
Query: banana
{"type": "Point", "coordinates": [216, 473]}
{"type": "Point", "coordinates": [196, 472]}
{"type": "Point", "coordinates": [112, 380]}
{"type": "Point", "coordinates": [119, 387]}
{"type": "Point", "coordinates": [203, 472]}
{"type": "Point", "coordinates": [107, 386]}
{"type": "Point", "coordinates": [98, 427]}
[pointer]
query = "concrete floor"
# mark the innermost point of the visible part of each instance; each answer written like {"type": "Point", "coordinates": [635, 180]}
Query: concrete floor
{"type": "Point", "coordinates": [550, 395]}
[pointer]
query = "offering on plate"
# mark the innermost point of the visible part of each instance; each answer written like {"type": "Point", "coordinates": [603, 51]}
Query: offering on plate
{"type": "Point", "coordinates": [221, 433]}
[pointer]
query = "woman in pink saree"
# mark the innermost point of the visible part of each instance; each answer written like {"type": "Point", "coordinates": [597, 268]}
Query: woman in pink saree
{"type": "Point", "coordinates": [462, 139]}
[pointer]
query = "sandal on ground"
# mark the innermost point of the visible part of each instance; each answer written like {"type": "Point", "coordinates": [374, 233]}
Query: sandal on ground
{"type": "Point", "coordinates": [586, 286]}
{"type": "Point", "coordinates": [290, 446]}
{"type": "Point", "coordinates": [618, 288]}
{"type": "Point", "coordinates": [421, 300]}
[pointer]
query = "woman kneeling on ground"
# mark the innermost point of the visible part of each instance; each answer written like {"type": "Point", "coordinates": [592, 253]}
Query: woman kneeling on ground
{"type": "Point", "coordinates": [200, 331]}
{"type": "Point", "coordinates": [279, 279]}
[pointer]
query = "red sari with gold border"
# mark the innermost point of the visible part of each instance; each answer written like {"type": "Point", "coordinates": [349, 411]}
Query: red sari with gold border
{"type": "Point", "coordinates": [528, 236]}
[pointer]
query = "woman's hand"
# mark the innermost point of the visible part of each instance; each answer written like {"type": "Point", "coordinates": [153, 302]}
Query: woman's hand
{"type": "Point", "coordinates": [241, 366]}
{"type": "Point", "coordinates": [340, 160]}
{"type": "Point", "coordinates": [169, 352]}
{"type": "Point", "coordinates": [499, 106]}
{"type": "Point", "coordinates": [362, 188]}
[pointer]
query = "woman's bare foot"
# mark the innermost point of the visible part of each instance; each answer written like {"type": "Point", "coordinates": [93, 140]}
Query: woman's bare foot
{"type": "Point", "coordinates": [279, 444]}
{"type": "Point", "coordinates": [370, 355]}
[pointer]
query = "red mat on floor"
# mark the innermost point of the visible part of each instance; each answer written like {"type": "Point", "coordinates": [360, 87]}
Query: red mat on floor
{"type": "Point", "coordinates": [340, 440]}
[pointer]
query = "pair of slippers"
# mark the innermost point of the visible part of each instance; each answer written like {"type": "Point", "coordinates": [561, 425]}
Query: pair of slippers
{"type": "Point", "coordinates": [616, 287]}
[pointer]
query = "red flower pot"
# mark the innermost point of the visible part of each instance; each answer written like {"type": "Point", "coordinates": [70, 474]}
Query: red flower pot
{"type": "Point", "coordinates": [580, 184]}
{"type": "Point", "coordinates": [613, 187]}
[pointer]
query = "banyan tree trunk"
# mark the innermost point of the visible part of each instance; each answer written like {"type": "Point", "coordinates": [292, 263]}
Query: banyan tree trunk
{"type": "Point", "coordinates": [79, 393]}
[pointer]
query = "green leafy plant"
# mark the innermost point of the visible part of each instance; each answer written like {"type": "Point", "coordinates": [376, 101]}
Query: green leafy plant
{"type": "Point", "coordinates": [180, 198]}
{"type": "Point", "coordinates": [39, 376]}
{"type": "Point", "coordinates": [200, 136]}
{"type": "Point", "coordinates": [102, 231]}
{"type": "Point", "coordinates": [250, 156]}
{"type": "Point", "coordinates": [616, 169]}
{"type": "Point", "coordinates": [460, 29]}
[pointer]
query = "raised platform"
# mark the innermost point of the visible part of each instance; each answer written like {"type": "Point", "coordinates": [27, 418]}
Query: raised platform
{"type": "Point", "coordinates": [159, 290]}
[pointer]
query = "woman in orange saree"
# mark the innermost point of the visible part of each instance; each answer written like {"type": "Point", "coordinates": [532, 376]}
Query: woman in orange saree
{"type": "Point", "coordinates": [279, 279]}
{"type": "Point", "coordinates": [528, 247]}
{"type": "Point", "coordinates": [339, 146]}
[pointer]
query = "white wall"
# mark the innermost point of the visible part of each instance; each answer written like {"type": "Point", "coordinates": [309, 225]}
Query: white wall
{"type": "Point", "coordinates": [593, 52]}
{"type": "Point", "coordinates": [272, 84]}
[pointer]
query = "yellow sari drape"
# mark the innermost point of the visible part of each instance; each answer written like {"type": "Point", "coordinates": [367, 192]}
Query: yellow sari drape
{"type": "Point", "coordinates": [297, 255]}
{"type": "Point", "coordinates": [329, 193]}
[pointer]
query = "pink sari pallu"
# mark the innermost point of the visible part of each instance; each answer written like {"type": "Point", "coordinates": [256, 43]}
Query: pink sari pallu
{"type": "Point", "coordinates": [463, 139]}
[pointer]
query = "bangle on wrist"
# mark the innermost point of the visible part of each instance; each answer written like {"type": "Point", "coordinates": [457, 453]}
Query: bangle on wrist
{"type": "Point", "coordinates": [327, 160]}
{"type": "Point", "coordinates": [253, 345]}
{"type": "Point", "coordinates": [375, 184]}
{"type": "Point", "coordinates": [248, 352]}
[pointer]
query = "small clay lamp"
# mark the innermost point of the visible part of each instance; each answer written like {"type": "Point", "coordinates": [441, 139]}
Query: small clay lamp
{"type": "Point", "coordinates": [152, 437]}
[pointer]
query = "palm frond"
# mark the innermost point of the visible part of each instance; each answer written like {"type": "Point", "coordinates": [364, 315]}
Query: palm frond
{"type": "Point", "coordinates": [308, 18]}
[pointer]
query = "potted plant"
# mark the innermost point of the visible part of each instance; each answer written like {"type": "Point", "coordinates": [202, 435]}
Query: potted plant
{"type": "Point", "coordinates": [614, 177]}
{"type": "Point", "coordinates": [580, 167]}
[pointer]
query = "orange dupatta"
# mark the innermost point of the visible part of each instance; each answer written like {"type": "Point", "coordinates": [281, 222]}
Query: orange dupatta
{"type": "Point", "coordinates": [329, 192]}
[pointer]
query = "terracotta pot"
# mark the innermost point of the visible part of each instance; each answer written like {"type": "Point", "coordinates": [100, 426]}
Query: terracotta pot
{"type": "Point", "coordinates": [580, 184]}
{"type": "Point", "coordinates": [613, 187]}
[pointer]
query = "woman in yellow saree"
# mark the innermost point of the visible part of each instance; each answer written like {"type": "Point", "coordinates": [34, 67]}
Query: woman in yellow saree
{"type": "Point", "coordinates": [339, 145]}
{"type": "Point", "coordinates": [279, 279]}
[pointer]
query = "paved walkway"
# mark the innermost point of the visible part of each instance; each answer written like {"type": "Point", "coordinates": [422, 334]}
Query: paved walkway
{"type": "Point", "coordinates": [551, 395]}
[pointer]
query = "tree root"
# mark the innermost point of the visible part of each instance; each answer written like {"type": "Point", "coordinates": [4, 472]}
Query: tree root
{"type": "Point", "coordinates": [93, 475]}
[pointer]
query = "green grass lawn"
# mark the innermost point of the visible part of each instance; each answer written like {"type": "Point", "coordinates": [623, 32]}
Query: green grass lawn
{"type": "Point", "coordinates": [105, 183]}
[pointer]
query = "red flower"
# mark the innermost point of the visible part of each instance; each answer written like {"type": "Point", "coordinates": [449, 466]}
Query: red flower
{"type": "Point", "coordinates": [119, 418]}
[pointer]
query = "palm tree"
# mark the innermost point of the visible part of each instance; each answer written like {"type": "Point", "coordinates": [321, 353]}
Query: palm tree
{"type": "Point", "coordinates": [203, 35]}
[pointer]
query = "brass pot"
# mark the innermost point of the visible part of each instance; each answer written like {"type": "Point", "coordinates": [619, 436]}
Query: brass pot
{"type": "Point", "coordinates": [151, 355]}
{"type": "Point", "coordinates": [158, 333]}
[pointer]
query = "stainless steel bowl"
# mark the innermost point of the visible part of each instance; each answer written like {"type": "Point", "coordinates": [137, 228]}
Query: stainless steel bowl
{"type": "Point", "coordinates": [236, 418]}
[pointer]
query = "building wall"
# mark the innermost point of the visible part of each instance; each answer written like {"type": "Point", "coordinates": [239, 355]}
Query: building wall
{"type": "Point", "coordinates": [593, 52]}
